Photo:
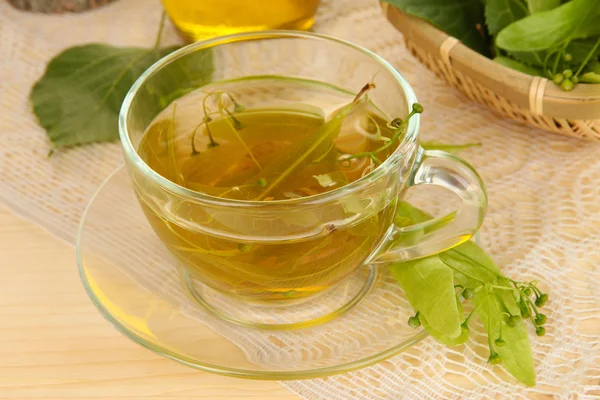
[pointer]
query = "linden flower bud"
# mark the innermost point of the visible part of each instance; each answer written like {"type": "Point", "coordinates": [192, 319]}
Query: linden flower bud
{"type": "Point", "coordinates": [513, 320]}
{"type": "Point", "coordinates": [414, 322]}
{"type": "Point", "coordinates": [494, 359]}
{"type": "Point", "coordinates": [417, 108]}
{"type": "Point", "coordinates": [525, 311]}
{"type": "Point", "coordinates": [540, 319]}
{"type": "Point", "coordinates": [567, 85]}
{"type": "Point", "coordinates": [540, 301]}
{"type": "Point", "coordinates": [468, 293]}
{"type": "Point", "coordinates": [540, 331]}
{"type": "Point", "coordinates": [262, 182]}
{"type": "Point", "coordinates": [558, 78]}
{"type": "Point", "coordinates": [464, 329]}
{"type": "Point", "coordinates": [237, 107]}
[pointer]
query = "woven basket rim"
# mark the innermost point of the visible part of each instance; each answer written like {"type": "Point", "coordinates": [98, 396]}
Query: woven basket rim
{"type": "Point", "coordinates": [583, 102]}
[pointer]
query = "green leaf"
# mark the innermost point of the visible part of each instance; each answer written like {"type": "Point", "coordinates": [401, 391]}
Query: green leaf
{"type": "Point", "coordinates": [467, 258]}
{"type": "Point", "coordinates": [472, 267]}
{"type": "Point", "coordinates": [594, 66]}
{"type": "Point", "coordinates": [447, 340]}
{"type": "Point", "coordinates": [501, 13]}
{"type": "Point", "coordinates": [590, 77]}
{"type": "Point", "coordinates": [78, 99]}
{"type": "Point", "coordinates": [546, 29]}
{"type": "Point", "coordinates": [534, 58]}
{"type": "Point", "coordinates": [518, 66]}
{"type": "Point", "coordinates": [581, 48]}
{"type": "Point", "coordinates": [516, 354]}
{"type": "Point", "coordinates": [458, 18]}
{"type": "Point", "coordinates": [542, 5]}
{"type": "Point", "coordinates": [429, 287]}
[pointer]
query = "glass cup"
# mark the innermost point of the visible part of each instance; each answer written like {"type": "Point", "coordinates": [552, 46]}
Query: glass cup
{"type": "Point", "coordinates": [311, 244]}
{"type": "Point", "coordinates": [204, 19]}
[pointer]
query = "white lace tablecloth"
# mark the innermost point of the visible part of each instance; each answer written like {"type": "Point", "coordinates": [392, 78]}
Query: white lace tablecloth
{"type": "Point", "coordinates": [543, 221]}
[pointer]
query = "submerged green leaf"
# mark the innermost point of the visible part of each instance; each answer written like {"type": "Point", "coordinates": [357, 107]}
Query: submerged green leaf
{"type": "Point", "coordinates": [458, 18]}
{"type": "Point", "coordinates": [428, 284]}
{"type": "Point", "coordinates": [546, 29]}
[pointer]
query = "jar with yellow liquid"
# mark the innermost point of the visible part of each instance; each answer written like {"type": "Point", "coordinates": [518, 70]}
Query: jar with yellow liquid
{"type": "Point", "coordinates": [203, 19]}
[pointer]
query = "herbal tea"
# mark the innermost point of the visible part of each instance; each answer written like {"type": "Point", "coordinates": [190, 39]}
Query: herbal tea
{"type": "Point", "coordinates": [271, 139]}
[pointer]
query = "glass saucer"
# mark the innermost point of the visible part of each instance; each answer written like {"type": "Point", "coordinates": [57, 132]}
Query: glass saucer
{"type": "Point", "coordinates": [136, 284]}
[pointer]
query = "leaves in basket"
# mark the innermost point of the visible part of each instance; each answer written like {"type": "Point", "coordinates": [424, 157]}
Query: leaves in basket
{"type": "Point", "coordinates": [544, 30]}
{"type": "Point", "coordinates": [536, 6]}
{"type": "Point", "coordinates": [458, 18]}
{"type": "Point", "coordinates": [501, 13]}
{"type": "Point", "coordinates": [499, 302]}
{"type": "Point", "coordinates": [555, 39]}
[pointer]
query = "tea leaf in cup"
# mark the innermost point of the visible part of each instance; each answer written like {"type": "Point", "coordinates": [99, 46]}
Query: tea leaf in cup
{"type": "Point", "coordinates": [302, 154]}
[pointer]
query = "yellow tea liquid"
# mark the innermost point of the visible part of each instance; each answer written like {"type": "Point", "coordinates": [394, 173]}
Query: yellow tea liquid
{"type": "Point", "coordinates": [202, 19]}
{"type": "Point", "coordinates": [259, 140]}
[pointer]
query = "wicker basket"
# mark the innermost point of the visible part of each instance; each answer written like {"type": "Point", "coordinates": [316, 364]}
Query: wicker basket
{"type": "Point", "coordinates": [531, 100]}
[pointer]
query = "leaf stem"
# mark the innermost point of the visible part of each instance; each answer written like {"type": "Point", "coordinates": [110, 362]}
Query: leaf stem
{"type": "Point", "coordinates": [161, 26]}
{"type": "Point", "coordinates": [505, 288]}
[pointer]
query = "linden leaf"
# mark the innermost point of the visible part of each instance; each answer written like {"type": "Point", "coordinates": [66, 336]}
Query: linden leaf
{"type": "Point", "coordinates": [79, 97]}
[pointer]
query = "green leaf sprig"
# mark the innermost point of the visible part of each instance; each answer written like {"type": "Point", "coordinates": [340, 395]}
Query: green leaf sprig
{"type": "Point", "coordinates": [438, 286]}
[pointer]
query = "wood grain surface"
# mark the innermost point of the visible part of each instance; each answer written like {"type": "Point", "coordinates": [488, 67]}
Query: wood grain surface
{"type": "Point", "coordinates": [55, 345]}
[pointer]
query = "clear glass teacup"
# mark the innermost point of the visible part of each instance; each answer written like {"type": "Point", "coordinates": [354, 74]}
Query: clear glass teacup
{"type": "Point", "coordinates": [285, 251]}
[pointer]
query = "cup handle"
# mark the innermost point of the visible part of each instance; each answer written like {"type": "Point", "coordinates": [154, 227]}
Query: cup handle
{"type": "Point", "coordinates": [434, 167]}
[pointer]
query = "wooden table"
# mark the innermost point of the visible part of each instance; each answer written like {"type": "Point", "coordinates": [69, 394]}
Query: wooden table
{"type": "Point", "coordinates": [55, 345]}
